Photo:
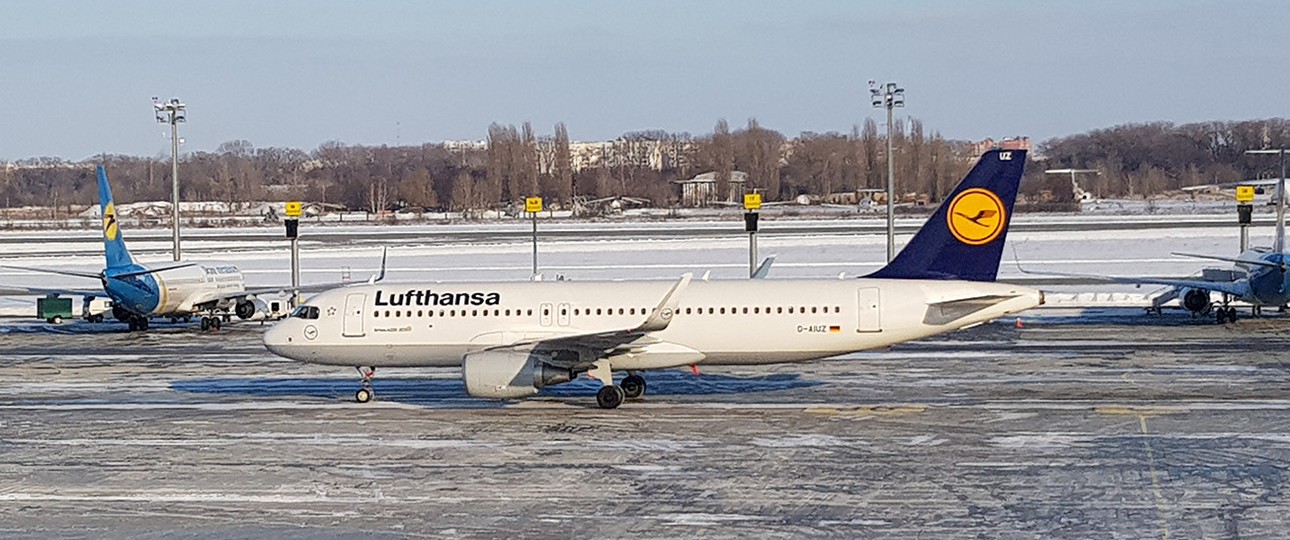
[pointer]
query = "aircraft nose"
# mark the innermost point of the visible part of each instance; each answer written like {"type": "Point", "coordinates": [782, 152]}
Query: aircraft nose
{"type": "Point", "coordinates": [279, 339]}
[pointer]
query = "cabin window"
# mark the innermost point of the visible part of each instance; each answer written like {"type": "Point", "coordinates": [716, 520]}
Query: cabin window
{"type": "Point", "coordinates": [632, 311]}
{"type": "Point", "coordinates": [530, 313]}
{"type": "Point", "coordinates": [474, 313]}
{"type": "Point", "coordinates": [575, 312]}
{"type": "Point", "coordinates": [803, 310]}
{"type": "Point", "coordinates": [837, 309]}
{"type": "Point", "coordinates": [745, 311]}
{"type": "Point", "coordinates": [790, 310]}
{"type": "Point", "coordinates": [779, 309]}
{"type": "Point", "coordinates": [812, 309]}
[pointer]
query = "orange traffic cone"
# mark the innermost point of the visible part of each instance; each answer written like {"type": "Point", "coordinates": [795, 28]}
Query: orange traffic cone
{"type": "Point", "coordinates": [1019, 325]}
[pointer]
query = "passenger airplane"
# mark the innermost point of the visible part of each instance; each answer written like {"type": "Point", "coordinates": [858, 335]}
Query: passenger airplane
{"type": "Point", "coordinates": [140, 292]}
{"type": "Point", "coordinates": [1261, 278]}
{"type": "Point", "coordinates": [514, 338]}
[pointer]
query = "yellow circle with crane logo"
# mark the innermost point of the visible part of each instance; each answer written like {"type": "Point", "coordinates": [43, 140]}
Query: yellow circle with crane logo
{"type": "Point", "coordinates": [976, 216]}
{"type": "Point", "coordinates": [109, 222]}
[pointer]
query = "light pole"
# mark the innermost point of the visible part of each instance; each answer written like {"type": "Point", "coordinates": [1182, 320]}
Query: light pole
{"type": "Point", "coordinates": [889, 96]}
{"type": "Point", "coordinates": [172, 112]}
{"type": "Point", "coordinates": [1279, 246]}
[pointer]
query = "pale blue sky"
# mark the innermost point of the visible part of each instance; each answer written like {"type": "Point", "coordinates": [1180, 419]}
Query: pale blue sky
{"type": "Point", "coordinates": [80, 74]}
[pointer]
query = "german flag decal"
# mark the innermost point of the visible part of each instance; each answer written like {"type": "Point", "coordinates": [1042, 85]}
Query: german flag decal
{"type": "Point", "coordinates": [835, 329]}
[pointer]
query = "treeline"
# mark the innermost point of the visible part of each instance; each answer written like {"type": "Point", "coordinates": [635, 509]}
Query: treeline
{"type": "Point", "coordinates": [514, 162]}
{"type": "Point", "coordinates": [1135, 160]}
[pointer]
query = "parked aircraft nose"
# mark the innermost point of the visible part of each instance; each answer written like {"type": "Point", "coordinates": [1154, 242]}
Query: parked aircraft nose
{"type": "Point", "coordinates": [280, 338]}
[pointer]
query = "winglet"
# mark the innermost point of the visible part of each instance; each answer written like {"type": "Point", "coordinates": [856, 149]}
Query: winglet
{"type": "Point", "coordinates": [764, 268]}
{"type": "Point", "coordinates": [662, 315]}
{"type": "Point", "coordinates": [378, 277]}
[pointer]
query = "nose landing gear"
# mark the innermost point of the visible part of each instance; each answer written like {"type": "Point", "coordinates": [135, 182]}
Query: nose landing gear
{"type": "Point", "coordinates": [366, 393]}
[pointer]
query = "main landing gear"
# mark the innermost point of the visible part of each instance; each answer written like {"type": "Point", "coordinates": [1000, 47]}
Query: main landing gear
{"type": "Point", "coordinates": [211, 324]}
{"type": "Point", "coordinates": [611, 395]}
{"type": "Point", "coordinates": [366, 393]}
{"type": "Point", "coordinates": [137, 324]}
{"type": "Point", "coordinates": [1225, 314]}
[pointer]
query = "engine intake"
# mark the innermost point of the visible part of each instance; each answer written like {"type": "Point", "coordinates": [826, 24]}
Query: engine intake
{"type": "Point", "coordinates": [1197, 301]}
{"type": "Point", "coordinates": [507, 374]}
{"type": "Point", "coordinates": [246, 309]}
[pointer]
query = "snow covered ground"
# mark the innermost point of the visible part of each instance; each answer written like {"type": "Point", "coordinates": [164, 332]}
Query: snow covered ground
{"type": "Point", "coordinates": [1138, 245]}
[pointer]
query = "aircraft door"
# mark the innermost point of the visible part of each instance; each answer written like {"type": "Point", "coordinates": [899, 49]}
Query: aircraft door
{"type": "Point", "coordinates": [545, 313]}
{"type": "Point", "coordinates": [563, 315]}
{"type": "Point", "coordinates": [869, 310]}
{"type": "Point", "coordinates": [354, 306]}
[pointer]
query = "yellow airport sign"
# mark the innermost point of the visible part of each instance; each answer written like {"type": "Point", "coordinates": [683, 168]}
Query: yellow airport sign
{"type": "Point", "coordinates": [533, 205]}
{"type": "Point", "coordinates": [752, 201]}
{"type": "Point", "coordinates": [293, 209]}
{"type": "Point", "coordinates": [1244, 194]}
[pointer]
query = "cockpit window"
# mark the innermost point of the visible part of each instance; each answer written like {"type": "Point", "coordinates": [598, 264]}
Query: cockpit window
{"type": "Point", "coordinates": [305, 312]}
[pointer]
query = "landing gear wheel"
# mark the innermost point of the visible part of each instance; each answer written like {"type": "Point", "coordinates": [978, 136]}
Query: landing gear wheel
{"type": "Point", "coordinates": [206, 323]}
{"type": "Point", "coordinates": [610, 396]}
{"type": "Point", "coordinates": [215, 323]}
{"type": "Point", "coordinates": [366, 393]}
{"type": "Point", "coordinates": [1221, 316]}
{"type": "Point", "coordinates": [1231, 314]}
{"type": "Point", "coordinates": [633, 386]}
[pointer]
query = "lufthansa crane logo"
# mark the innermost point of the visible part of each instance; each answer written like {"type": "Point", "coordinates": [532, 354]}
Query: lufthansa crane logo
{"type": "Point", "coordinates": [109, 222]}
{"type": "Point", "coordinates": [976, 217]}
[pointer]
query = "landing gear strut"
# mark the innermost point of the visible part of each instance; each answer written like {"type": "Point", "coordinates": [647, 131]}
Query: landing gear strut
{"type": "Point", "coordinates": [137, 323]}
{"type": "Point", "coordinates": [210, 323]}
{"type": "Point", "coordinates": [366, 393]}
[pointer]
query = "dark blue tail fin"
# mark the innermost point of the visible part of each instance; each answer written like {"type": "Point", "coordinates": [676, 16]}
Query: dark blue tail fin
{"type": "Point", "coordinates": [113, 243]}
{"type": "Point", "coordinates": [964, 238]}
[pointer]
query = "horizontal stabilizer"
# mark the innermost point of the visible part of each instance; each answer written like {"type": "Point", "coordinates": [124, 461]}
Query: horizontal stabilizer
{"type": "Point", "coordinates": [59, 272]}
{"type": "Point", "coordinates": [1266, 264]}
{"type": "Point", "coordinates": [953, 310]}
{"type": "Point", "coordinates": [124, 275]}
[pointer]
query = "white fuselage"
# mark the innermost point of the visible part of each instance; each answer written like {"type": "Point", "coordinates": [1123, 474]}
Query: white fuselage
{"type": "Point", "coordinates": [717, 322]}
{"type": "Point", "coordinates": [178, 291]}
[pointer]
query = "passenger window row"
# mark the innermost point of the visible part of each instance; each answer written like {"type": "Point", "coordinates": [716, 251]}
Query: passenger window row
{"type": "Point", "coordinates": [756, 310]}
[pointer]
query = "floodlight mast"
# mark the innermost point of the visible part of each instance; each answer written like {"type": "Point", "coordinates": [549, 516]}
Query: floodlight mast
{"type": "Point", "coordinates": [1281, 207]}
{"type": "Point", "coordinates": [889, 96]}
{"type": "Point", "coordinates": [172, 112]}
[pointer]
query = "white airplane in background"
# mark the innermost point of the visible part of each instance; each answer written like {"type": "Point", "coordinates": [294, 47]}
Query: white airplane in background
{"type": "Point", "coordinates": [514, 338]}
{"type": "Point", "coordinates": [139, 292]}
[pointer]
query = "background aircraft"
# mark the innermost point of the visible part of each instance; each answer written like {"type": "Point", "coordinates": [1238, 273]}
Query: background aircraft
{"type": "Point", "coordinates": [139, 292]}
{"type": "Point", "coordinates": [514, 338]}
{"type": "Point", "coordinates": [1258, 277]}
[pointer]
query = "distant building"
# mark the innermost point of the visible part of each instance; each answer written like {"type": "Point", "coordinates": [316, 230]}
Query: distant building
{"type": "Point", "coordinates": [1010, 143]}
{"type": "Point", "coordinates": [702, 189]}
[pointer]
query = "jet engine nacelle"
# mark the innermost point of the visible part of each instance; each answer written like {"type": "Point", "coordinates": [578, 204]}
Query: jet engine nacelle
{"type": "Point", "coordinates": [245, 309]}
{"type": "Point", "coordinates": [1197, 300]}
{"type": "Point", "coordinates": [509, 374]}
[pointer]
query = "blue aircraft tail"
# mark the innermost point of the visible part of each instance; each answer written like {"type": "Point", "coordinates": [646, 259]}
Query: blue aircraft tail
{"type": "Point", "coordinates": [113, 242]}
{"type": "Point", "coordinates": [964, 238]}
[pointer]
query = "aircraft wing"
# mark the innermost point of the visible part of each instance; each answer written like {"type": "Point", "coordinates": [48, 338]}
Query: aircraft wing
{"type": "Point", "coordinates": [6, 290]}
{"type": "Point", "coordinates": [606, 341]}
{"type": "Point", "coordinates": [311, 288]}
{"type": "Point", "coordinates": [1240, 287]}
